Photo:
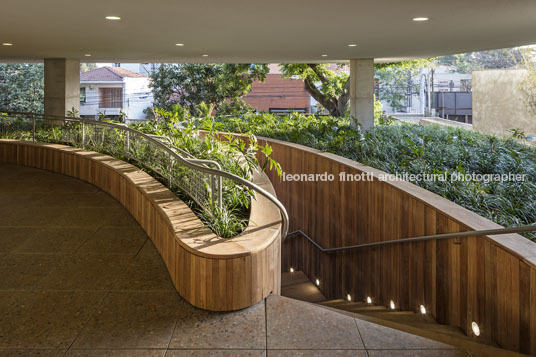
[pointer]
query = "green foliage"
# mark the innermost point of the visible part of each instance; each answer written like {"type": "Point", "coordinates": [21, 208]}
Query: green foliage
{"type": "Point", "coordinates": [413, 149]}
{"type": "Point", "coordinates": [474, 61]}
{"type": "Point", "coordinates": [22, 87]}
{"type": "Point", "coordinates": [232, 153]}
{"type": "Point", "coordinates": [213, 84]}
{"type": "Point", "coordinates": [331, 86]}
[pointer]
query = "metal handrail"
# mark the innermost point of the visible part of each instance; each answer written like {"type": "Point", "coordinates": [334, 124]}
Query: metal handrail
{"type": "Point", "coordinates": [185, 162]}
{"type": "Point", "coordinates": [479, 233]}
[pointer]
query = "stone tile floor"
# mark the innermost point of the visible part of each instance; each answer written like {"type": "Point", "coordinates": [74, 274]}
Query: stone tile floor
{"type": "Point", "coordinates": [78, 277]}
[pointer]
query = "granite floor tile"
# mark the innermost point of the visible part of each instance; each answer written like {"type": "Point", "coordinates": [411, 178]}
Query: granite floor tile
{"type": "Point", "coordinates": [116, 353]}
{"type": "Point", "coordinates": [132, 320]}
{"type": "Point", "coordinates": [54, 239]}
{"type": "Point", "coordinates": [121, 219]}
{"type": "Point", "coordinates": [76, 199]}
{"type": "Point", "coordinates": [11, 200]}
{"type": "Point", "coordinates": [11, 238]}
{"type": "Point", "coordinates": [15, 352]}
{"type": "Point", "coordinates": [416, 353]}
{"type": "Point", "coordinates": [199, 329]}
{"type": "Point", "coordinates": [32, 217]}
{"type": "Point", "coordinates": [317, 353]}
{"type": "Point", "coordinates": [294, 324]}
{"type": "Point", "coordinates": [123, 240]}
{"type": "Point", "coordinates": [86, 272]}
{"type": "Point", "coordinates": [86, 216]}
{"type": "Point", "coordinates": [216, 353]}
{"type": "Point", "coordinates": [24, 271]}
{"type": "Point", "coordinates": [47, 319]}
{"type": "Point", "coordinates": [145, 273]}
{"type": "Point", "coordinates": [379, 337]}
{"type": "Point", "coordinates": [72, 185]}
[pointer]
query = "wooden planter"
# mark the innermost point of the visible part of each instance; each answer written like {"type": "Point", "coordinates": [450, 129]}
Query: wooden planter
{"type": "Point", "coordinates": [209, 272]}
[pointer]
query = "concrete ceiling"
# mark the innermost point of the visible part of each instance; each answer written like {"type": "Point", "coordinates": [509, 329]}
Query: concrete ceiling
{"type": "Point", "coordinates": [259, 31]}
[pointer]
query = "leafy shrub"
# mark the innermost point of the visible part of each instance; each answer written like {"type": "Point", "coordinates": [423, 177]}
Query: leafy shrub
{"type": "Point", "coordinates": [233, 155]}
{"type": "Point", "coordinates": [407, 148]}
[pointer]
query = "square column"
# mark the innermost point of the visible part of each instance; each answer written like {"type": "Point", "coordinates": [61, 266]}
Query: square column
{"type": "Point", "coordinates": [362, 91]}
{"type": "Point", "coordinates": [62, 86]}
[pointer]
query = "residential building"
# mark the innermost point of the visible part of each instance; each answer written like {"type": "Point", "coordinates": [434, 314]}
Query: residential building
{"type": "Point", "coordinates": [278, 94]}
{"type": "Point", "coordinates": [115, 92]}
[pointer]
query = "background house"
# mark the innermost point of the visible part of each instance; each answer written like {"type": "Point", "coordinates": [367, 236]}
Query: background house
{"type": "Point", "coordinates": [278, 94]}
{"type": "Point", "coordinates": [115, 92]}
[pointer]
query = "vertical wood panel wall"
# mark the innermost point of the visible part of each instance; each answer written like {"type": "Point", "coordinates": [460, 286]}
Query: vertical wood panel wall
{"type": "Point", "coordinates": [490, 280]}
{"type": "Point", "coordinates": [209, 272]}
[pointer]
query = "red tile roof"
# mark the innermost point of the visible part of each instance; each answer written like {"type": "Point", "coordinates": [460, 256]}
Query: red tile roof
{"type": "Point", "coordinates": [109, 74]}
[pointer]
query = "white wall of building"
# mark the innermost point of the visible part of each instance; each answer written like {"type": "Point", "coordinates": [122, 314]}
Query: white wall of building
{"type": "Point", "coordinates": [137, 96]}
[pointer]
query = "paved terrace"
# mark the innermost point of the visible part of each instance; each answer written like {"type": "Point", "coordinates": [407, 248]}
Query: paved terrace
{"type": "Point", "coordinates": [79, 277]}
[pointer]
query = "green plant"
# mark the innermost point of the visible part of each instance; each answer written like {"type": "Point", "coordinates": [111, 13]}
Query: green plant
{"type": "Point", "coordinates": [517, 133]}
{"type": "Point", "coordinates": [413, 149]}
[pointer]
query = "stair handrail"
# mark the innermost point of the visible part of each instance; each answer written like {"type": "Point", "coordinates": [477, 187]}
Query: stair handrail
{"type": "Point", "coordinates": [190, 163]}
{"type": "Point", "coordinates": [466, 234]}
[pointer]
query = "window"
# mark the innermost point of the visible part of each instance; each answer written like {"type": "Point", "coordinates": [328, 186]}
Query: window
{"type": "Point", "coordinates": [111, 97]}
{"type": "Point", "coordinates": [83, 95]}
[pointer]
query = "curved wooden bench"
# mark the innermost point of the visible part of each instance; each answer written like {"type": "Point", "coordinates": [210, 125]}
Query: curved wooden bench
{"type": "Point", "coordinates": [490, 280]}
{"type": "Point", "coordinates": [209, 272]}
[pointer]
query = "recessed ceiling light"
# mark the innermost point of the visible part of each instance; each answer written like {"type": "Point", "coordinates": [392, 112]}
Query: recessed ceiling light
{"type": "Point", "coordinates": [420, 19]}
{"type": "Point", "coordinates": [7, 44]}
{"type": "Point", "coordinates": [324, 55]}
{"type": "Point", "coordinates": [205, 55]}
{"type": "Point", "coordinates": [87, 55]}
{"type": "Point", "coordinates": [116, 18]}
{"type": "Point", "coordinates": [179, 44]}
{"type": "Point", "coordinates": [352, 45]}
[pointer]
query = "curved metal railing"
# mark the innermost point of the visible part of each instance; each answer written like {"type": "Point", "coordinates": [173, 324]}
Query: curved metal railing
{"type": "Point", "coordinates": [193, 176]}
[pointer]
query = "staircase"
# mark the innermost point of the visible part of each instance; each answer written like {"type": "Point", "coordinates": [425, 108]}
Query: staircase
{"type": "Point", "coordinates": [297, 285]}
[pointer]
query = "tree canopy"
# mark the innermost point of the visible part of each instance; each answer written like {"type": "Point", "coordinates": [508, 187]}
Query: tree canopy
{"type": "Point", "coordinates": [213, 84]}
{"type": "Point", "coordinates": [331, 86]}
{"type": "Point", "coordinates": [22, 87]}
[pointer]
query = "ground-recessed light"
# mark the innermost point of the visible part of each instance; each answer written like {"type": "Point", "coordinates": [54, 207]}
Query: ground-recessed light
{"type": "Point", "coordinates": [392, 305]}
{"type": "Point", "coordinates": [369, 300]}
{"type": "Point", "coordinates": [317, 282]}
{"type": "Point", "coordinates": [423, 310]}
{"type": "Point", "coordinates": [113, 18]}
{"type": "Point", "coordinates": [420, 19]}
{"type": "Point", "coordinates": [349, 297]}
{"type": "Point", "coordinates": [205, 55]}
{"type": "Point", "coordinates": [179, 44]}
{"type": "Point", "coordinates": [7, 44]}
{"type": "Point", "coordinates": [292, 270]}
{"type": "Point", "coordinates": [352, 45]}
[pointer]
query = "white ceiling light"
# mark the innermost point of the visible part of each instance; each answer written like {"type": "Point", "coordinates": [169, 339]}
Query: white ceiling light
{"type": "Point", "coordinates": [179, 44]}
{"type": "Point", "coordinates": [113, 18]}
{"type": "Point", "coordinates": [205, 55]}
{"type": "Point", "coordinates": [352, 45]}
{"type": "Point", "coordinates": [324, 55]}
{"type": "Point", "coordinates": [87, 55]}
{"type": "Point", "coordinates": [7, 44]}
{"type": "Point", "coordinates": [420, 19]}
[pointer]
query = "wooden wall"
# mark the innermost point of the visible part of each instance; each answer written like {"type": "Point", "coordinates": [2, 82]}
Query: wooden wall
{"type": "Point", "coordinates": [209, 272]}
{"type": "Point", "coordinates": [489, 280]}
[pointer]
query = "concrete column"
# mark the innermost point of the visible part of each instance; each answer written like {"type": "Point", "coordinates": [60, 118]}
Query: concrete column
{"type": "Point", "coordinates": [362, 91]}
{"type": "Point", "coordinates": [62, 86]}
